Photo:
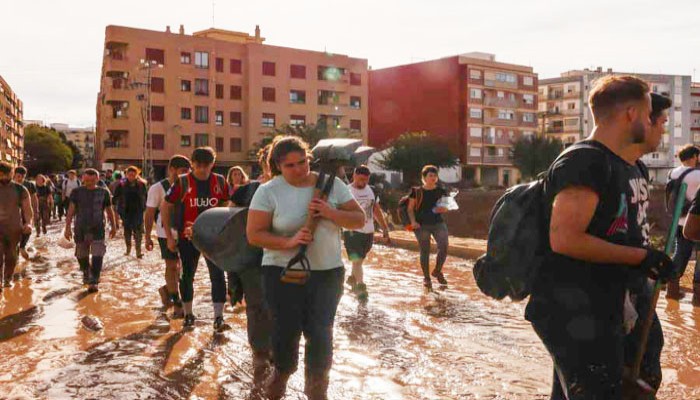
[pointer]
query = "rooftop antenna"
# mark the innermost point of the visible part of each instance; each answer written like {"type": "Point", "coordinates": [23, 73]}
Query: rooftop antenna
{"type": "Point", "coordinates": [213, 22]}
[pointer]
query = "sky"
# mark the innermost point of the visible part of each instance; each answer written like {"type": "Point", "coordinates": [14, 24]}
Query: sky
{"type": "Point", "coordinates": [51, 50]}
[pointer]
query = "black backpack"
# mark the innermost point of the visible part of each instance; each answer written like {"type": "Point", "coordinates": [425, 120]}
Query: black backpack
{"type": "Point", "coordinates": [518, 240]}
{"type": "Point", "coordinates": [672, 188]}
{"type": "Point", "coordinates": [403, 206]}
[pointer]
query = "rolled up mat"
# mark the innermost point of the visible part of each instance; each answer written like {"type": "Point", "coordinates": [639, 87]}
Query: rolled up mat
{"type": "Point", "coordinates": [220, 235]}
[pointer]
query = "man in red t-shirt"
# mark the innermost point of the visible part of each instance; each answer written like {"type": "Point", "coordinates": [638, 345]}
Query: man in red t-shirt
{"type": "Point", "coordinates": [191, 195]}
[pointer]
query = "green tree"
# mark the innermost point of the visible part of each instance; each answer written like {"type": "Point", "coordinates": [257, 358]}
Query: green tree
{"type": "Point", "coordinates": [45, 152]}
{"type": "Point", "coordinates": [534, 154]}
{"type": "Point", "coordinates": [410, 152]}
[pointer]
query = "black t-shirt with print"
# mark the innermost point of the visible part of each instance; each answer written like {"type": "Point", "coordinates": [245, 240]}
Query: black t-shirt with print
{"type": "Point", "coordinates": [425, 214]}
{"type": "Point", "coordinates": [588, 297]}
{"type": "Point", "coordinates": [43, 191]}
{"type": "Point", "coordinates": [31, 187]}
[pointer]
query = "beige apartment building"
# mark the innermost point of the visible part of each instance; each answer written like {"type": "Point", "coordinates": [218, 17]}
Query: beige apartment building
{"type": "Point", "coordinates": [218, 88]}
{"type": "Point", "coordinates": [11, 125]}
{"type": "Point", "coordinates": [82, 138]}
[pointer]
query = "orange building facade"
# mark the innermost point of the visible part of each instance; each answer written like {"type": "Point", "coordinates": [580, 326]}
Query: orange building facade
{"type": "Point", "coordinates": [11, 125]}
{"type": "Point", "coordinates": [218, 88]}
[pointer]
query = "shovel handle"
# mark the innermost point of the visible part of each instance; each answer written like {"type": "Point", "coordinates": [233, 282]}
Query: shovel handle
{"type": "Point", "coordinates": [646, 327]}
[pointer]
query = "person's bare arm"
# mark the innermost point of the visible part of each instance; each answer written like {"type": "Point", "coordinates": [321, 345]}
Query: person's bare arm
{"type": "Point", "coordinates": [35, 202]}
{"type": "Point", "coordinates": [572, 212]}
{"type": "Point", "coordinates": [258, 232]}
{"type": "Point", "coordinates": [348, 215]}
{"type": "Point", "coordinates": [68, 233]}
{"type": "Point", "coordinates": [27, 214]}
{"type": "Point", "coordinates": [148, 219]}
{"type": "Point", "coordinates": [691, 231]}
{"type": "Point", "coordinates": [112, 222]}
{"type": "Point", "coordinates": [379, 217]}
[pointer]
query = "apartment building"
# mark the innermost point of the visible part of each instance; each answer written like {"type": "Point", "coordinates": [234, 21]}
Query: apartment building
{"type": "Point", "coordinates": [479, 104]}
{"type": "Point", "coordinates": [11, 125]}
{"type": "Point", "coordinates": [218, 88]}
{"type": "Point", "coordinates": [562, 108]}
{"type": "Point", "coordinates": [82, 138]}
{"type": "Point", "coordinates": [695, 112]}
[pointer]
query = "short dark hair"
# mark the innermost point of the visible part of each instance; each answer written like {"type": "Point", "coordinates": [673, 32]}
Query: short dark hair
{"type": "Point", "coordinates": [90, 171]}
{"type": "Point", "coordinates": [179, 161]}
{"type": "Point", "coordinates": [21, 170]}
{"type": "Point", "coordinates": [204, 155]}
{"type": "Point", "coordinates": [429, 169]}
{"type": "Point", "coordinates": [659, 103]}
{"type": "Point", "coordinates": [6, 167]}
{"type": "Point", "coordinates": [611, 91]}
{"type": "Point", "coordinates": [362, 170]}
{"type": "Point", "coordinates": [688, 151]}
{"type": "Point", "coordinates": [283, 145]}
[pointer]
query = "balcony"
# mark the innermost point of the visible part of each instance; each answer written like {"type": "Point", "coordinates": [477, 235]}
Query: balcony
{"type": "Point", "coordinates": [572, 95]}
{"type": "Point", "coordinates": [555, 96]}
{"type": "Point", "coordinates": [497, 160]}
{"type": "Point", "coordinates": [567, 111]}
{"type": "Point", "coordinates": [490, 120]}
{"type": "Point", "coordinates": [495, 101]}
{"type": "Point", "coordinates": [500, 84]}
{"type": "Point", "coordinates": [115, 144]}
{"type": "Point", "coordinates": [555, 129]}
{"type": "Point", "coordinates": [502, 140]}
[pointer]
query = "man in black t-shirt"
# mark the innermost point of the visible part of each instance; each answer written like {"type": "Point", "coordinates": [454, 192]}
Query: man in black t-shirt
{"type": "Point", "coordinates": [20, 178]}
{"type": "Point", "coordinates": [597, 195]}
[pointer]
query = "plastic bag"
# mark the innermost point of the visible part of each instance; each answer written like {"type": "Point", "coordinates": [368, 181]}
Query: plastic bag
{"type": "Point", "coordinates": [448, 202]}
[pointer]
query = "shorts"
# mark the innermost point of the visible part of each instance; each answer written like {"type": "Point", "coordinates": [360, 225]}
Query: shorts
{"type": "Point", "coordinates": [88, 246]}
{"type": "Point", "coordinates": [165, 252]}
{"type": "Point", "coordinates": [358, 244]}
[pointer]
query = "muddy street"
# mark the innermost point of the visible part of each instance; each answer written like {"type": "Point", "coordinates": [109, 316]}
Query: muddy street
{"type": "Point", "coordinates": [404, 343]}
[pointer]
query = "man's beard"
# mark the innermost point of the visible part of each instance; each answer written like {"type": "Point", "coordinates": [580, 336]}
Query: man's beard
{"type": "Point", "coordinates": [5, 181]}
{"type": "Point", "coordinates": [638, 132]}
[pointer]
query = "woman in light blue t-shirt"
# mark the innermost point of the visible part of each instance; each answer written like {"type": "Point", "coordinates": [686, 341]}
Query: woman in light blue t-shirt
{"type": "Point", "coordinates": [276, 219]}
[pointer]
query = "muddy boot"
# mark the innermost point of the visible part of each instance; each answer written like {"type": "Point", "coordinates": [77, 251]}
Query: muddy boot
{"type": "Point", "coordinates": [261, 368]}
{"type": "Point", "coordinates": [696, 295]}
{"type": "Point", "coordinates": [164, 296]}
{"type": "Point", "coordinates": [439, 276]}
{"type": "Point", "coordinates": [276, 385]}
{"type": "Point", "coordinates": [674, 290]}
{"type": "Point", "coordinates": [316, 386]}
{"type": "Point", "coordinates": [427, 283]}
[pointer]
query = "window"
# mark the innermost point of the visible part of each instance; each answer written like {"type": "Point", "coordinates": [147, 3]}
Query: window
{"type": "Point", "coordinates": [185, 113]}
{"type": "Point", "coordinates": [201, 139]}
{"type": "Point", "coordinates": [296, 120]}
{"type": "Point", "coordinates": [297, 71]}
{"type": "Point", "coordinates": [201, 87]}
{"type": "Point", "coordinates": [475, 131]}
{"type": "Point", "coordinates": [235, 66]}
{"type": "Point", "coordinates": [185, 86]}
{"type": "Point", "coordinates": [475, 113]}
{"type": "Point", "coordinates": [201, 59]}
{"type": "Point", "coordinates": [219, 144]}
{"type": "Point", "coordinates": [297, 96]}
{"type": "Point", "coordinates": [219, 64]}
{"type": "Point", "coordinates": [475, 93]}
{"type": "Point", "coordinates": [355, 125]}
{"type": "Point", "coordinates": [201, 114]}
{"type": "Point", "coordinates": [475, 152]}
{"type": "Point", "coordinates": [235, 117]}
{"type": "Point", "coordinates": [355, 79]}
{"type": "Point", "coordinates": [157, 85]}
{"type": "Point", "coordinates": [528, 117]}
{"type": "Point", "coordinates": [528, 99]}
{"type": "Point", "coordinates": [325, 73]}
{"type": "Point", "coordinates": [236, 145]}
{"type": "Point", "coordinates": [571, 122]}
{"type": "Point", "coordinates": [475, 74]}
{"type": "Point", "coordinates": [219, 91]}
{"type": "Point", "coordinates": [268, 94]}
{"type": "Point", "coordinates": [505, 77]}
{"type": "Point", "coordinates": [500, 94]}
{"type": "Point", "coordinates": [528, 133]}
{"type": "Point", "coordinates": [326, 97]}
{"type": "Point", "coordinates": [506, 114]}
{"type": "Point", "coordinates": [185, 141]}
{"type": "Point", "coordinates": [268, 120]}
{"type": "Point", "coordinates": [268, 68]}
{"type": "Point", "coordinates": [236, 93]}
{"type": "Point", "coordinates": [157, 113]}
{"type": "Point", "coordinates": [156, 55]}
{"type": "Point", "coordinates": [355, 102]}
{"type": "Point", "coordinates": [570, 106]}
{"type": "Point", "coordinates": [185, 58]}
{"type": "Point", "coordinates": [219, 118]}
{"type": "Point", "coordinates": [511, 96]}
{"type": "Point", "coordinates": [528, 81]}
{"type": "Point", "coordinates": [157, 141]}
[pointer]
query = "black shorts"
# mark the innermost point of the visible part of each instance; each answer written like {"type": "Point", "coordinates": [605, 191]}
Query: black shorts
{"type": "Point", "coordinates": [165, 252]}
{"type": "Point", "coordinates": [358, 244]}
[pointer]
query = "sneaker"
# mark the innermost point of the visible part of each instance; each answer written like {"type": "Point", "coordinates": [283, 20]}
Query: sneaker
{"type": "Point", "coordinates": [86, 278]}
{"type": "Point", "coordinates": [92, 288]}
{"type": "Point", "coordinates": [24, 253]}
{"type": "Point", "coordinates": [440, 277]}
{"type": "Point", "coordinates": [219, 325]}
{"type": "Point", "coordinates": [8, 283]}
{"type": "Point", "coordinates": [351, 281]}
{"type": "Point", "coordinates": [189, 321]}
{"type": "Point", "coordinates": [139, 254]}
{"type": "Point", "coordinates": [164, 296]}
{"type": "Point", "coordinates": [178, 313]}
{"type": "Point", "coordinates": [361, 291]}
{"type": "Point", "coordinates": [427, 283]}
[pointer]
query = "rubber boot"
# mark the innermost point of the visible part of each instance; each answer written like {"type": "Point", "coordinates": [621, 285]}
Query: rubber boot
{"type": "Point", "coordinates": [674, 290]}
{"type": "Point", "coordinates": [696, 294]}
{"type": "Point", "coordinates": [261, 367]}
{"type": "Point", "coordinates": [276, 385]}
{"type": "Point", "coordinates": [316, 386]}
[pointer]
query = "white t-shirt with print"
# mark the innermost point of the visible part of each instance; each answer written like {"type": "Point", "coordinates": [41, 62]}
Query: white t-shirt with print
{"type": "Point", "coordinates": [693, 182]}
{"type": "Point", "coordinates": [156, 195]}
{"type": "Point", "coordinates": [367, 199]}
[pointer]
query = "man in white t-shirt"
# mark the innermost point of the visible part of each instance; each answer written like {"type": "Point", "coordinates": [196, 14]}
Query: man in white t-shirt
{"type": "Point", "coordinates": [359, 242]}
{"type": "Point", "coordinates": [684, 247]}
{"type": "Point", "coordinates": [169, 293]}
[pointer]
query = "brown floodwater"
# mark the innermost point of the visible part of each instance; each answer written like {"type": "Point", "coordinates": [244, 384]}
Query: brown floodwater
{"type": "Point", "coordinates": [404, 343]}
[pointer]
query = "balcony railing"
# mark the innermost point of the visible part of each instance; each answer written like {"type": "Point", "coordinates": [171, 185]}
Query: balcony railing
{"type": "Point", "coordinates": [555, 129]}
{"type": "Point", "coordinates": [500, 102]}
{"type": "Point", "coordinates": [500, 122]}
{"type": "Point", "coordinates": [500, 84]}
{"type": "Point", "coordinates": [497, 160]}
{"type": "Point", "coordinates": [574, 94]}
{"type": "Point", "coordinates": [503, 140]}
{"type": "Point", "coordinates": [115, 144]}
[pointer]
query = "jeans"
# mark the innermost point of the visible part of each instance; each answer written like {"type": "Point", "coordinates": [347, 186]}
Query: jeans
{"type": "Point", "coordinates": [189, 258]}
{"type": "Point", "coordinates": [439, 232]}
{"type": "Point", "coordinates": [137, 233]}
{"type": "Point", "coordinates": [681, 256]}
{"type": "Point", "coordinates": [257, 311]}
{"type": "Point", "coordinates": [309, 309]}
{"type": "Point", "coordinates": [651, 362]}
{"type": "Point", "coordinates": [8, 252]}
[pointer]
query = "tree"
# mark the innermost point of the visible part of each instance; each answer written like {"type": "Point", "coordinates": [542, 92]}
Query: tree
{"type": "Point", "coordinates": [410, 152]}
{"type": "Point", "coordinates": [45, 152]}
{"type": "Point", "coordinates": [534, 154]}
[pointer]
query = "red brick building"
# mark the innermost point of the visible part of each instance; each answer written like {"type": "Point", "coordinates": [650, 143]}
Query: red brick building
{"type": "Point", "coordinates": [479, 104]}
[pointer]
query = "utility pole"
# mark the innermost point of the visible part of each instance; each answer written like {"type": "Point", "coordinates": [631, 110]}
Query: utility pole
{"type": "Point", "coordinates": [147, 156]}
